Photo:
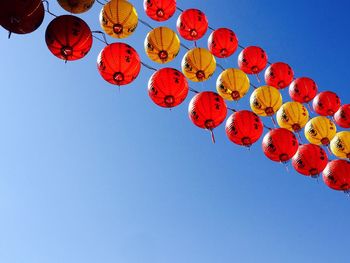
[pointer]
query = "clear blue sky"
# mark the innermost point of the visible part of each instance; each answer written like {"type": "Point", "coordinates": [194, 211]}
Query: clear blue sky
{"type": "Point", "coordinates": [90, 173]}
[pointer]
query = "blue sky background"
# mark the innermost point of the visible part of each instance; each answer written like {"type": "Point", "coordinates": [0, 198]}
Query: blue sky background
{"type": "Point", "coordinates": [90, 173]}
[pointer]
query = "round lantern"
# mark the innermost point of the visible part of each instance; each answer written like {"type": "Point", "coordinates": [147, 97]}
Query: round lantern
{"type": "Point", "coordinates": [244, 128]}
{"type": "Point", "coordinates": [192, 24]}
{"type": "Point", "coordinates": [320, 130]}
{"type": "Point", "coordinates": [119, 63]}
{"type": "Point", "coordinates": [252, 60]}
{"type": "Point", "coordinates": [303, 90]}
{"type": "Point", "coordinates": [118, 18]}
{"type": "Point", "coordinates": [292, 116]}
{"type": "Point", "coordinates": [342, 116]}
{"type": "Point", "coordinates": [340, 144]}
{"type": "Point", "coordinates": [207, 110]}
{"type": "Point", "coordinates": [168, 87]}
{"type": "Point", "coordinates": [280, 145]}
{"type": "Point", "coordinates": [21, 16]}
{"type": "Point", "coordinates": [68, 37]}
{"type": "Point", "coordinates": [326, 103]}
{"type": "Point", "coordinates": [279, 75]}
{"type": "Point", "coordinates": [310, 160]}
{"type": "Point", "coordinates": [265, 101]}
{"type": "Point", "coordinates": [198, 64]}
{"type": "Point", "coordinates": [222, 42]}
{"type": "Point", "coordinates": [160, 10]}
{"type": "Point", "coordinates": [162, 45]}
{"type": "Point", "coordinates": [76, 6]}
{"type": "Point", "coordinates": [336, 175]}
{"type": "Point", "coordinates": [232, 84]}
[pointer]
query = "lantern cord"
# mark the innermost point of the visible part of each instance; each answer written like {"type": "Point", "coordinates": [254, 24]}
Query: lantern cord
{"type": "Point", "coordinates": [220, 66]}
{"type": "Point", "coordinates": [48, 8]}
{"type": "Point", "coordinates": [146, 24]}
{"type": "Point", "coordinates": [184, 46]}
{"type": "Point", "coordinates": [103, 35]}
{"type": "Point", "coordinates": [101, 2]}
{"type": "Point", "coordinates": [148, 66]}
{"type": "Point", "coordinates": [178, 8]}
{"type": "Point", "coordinates": [193, 90]}
{"type": "Point", "coordinates": [231, 109]}
{"type": "Point", "coordinates": [267, 127]}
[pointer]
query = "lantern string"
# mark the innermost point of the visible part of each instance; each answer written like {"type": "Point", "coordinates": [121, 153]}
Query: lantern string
{"type": "Point", "coordinates": [231, 109]}
{"type": "Point", "coordinates": [180, 9]}
{"type": "Point", "coordinates": [148, 66]}
{"type": "Point", "coordinates": [193, 90]}
{"type": "Point", "coordinates": [184, 46]}
{"type": "Point", "coordinates": [48, 8]}
{"type": "Point", "coordinates": [104, 40]}
{"type": "Point", "coordinates": [101, 3]}
{"type": "Point", "coordinates": [146, 24]}
{"type": "Point", "coordinates": [267, 127]}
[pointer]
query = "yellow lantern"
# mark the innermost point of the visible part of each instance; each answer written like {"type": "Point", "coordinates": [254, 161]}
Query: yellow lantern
{"type": "Point", "coordinates": [340, 144]}
{"type": "Point", "coordinates": [292, 116]}
{"type": "Point", "coordinates": [198, 64]}
{"type": "Point", "coordinates": [232, 84]}
{"type": "Point", "coordinates": [118, 18]}
{"type": "Point", "coordinates": [265, 101]}
{"type": "Point", "coordinates": [162, 45]}
{"type": "Point", "coordinates": [76, 6]}
{"type": "Point", "coordinates": [320, 130]}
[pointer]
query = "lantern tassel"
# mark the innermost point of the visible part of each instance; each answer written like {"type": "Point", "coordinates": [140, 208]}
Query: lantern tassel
{"type": "Point", "coordinates": [212, 136]}
{"type": "Point", "coordinates": [258, 77]}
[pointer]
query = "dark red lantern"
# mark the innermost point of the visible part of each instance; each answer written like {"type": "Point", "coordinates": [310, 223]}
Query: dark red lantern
{"type": "Point", "coordinates": [310, 160]}
{"type": "Point", "coordinates": [192, 24]}
{"type": "Point", "coordinates": [21, 16]}
{"type": "Point", "coordinates": [280, 145]}
{"type": "Point", "coordinates": [168, 87]}
{"type": "Point", "coordinates": [326, 103]}
{"type": "Point", "coordinates": [159, 10]}
{"type": "Point", "coordinates": [342, 116]}
{"type": "Point", "coordinates": [68, 37]}
{"type": "Point", "coordinates": [207, 110]}
{"type": "Point", "coordinates": [119, 63]}
{"type": "Point", "coordinates": [222, 42]}
{"type": "Point", "coordinates": [279, 75]}
{"type": "Point", "coordinates": [303, 90]}
{"type": "Point", "coordinates": [252, 60]}
{"type": "Point", "coordinates": [336, 175]}
{"type": "Point", "coordinates": [244, 128]}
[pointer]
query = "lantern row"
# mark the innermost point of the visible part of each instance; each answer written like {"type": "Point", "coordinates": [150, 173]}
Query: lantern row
{"type": "Point", "coordinates": [69, 38]}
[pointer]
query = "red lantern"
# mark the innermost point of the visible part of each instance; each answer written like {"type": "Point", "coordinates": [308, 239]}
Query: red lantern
{"type": "Point", "coordinates": [222, 42]}
{"type": "Point", "coordinates": [119, 63]}
{"type": "Point", "coordinates": [68, 37]}
{"type": "Point", "coordinates": [192, 24]}
{"type": "Point", "coordinates": [337, 175]}
{"type": "Point", "coordinates": [280, 145]}
{"type": "Point", "coordinates": [252, 60]}
{"type": "Point", "coordinates": [244, 128]}
{"type": "Point", "coordinates": [342, 116]}
{"type": "Point", "coordinates": [326, 103]}
{"type": "Point", "coordinates": [21, 16]}
{"type": "Point", "coordinates": [207, 110]}
{"type": "Point", "coordinates": [279, 75]}
{"type": "Point", "coordinates": [159, 10]}
{"type": "Point", "coordinates": [303, 90]}
{"type": "Point", "coordinates": [168, 87]}
{"type": "Point", "coordinates": [310, 160]}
